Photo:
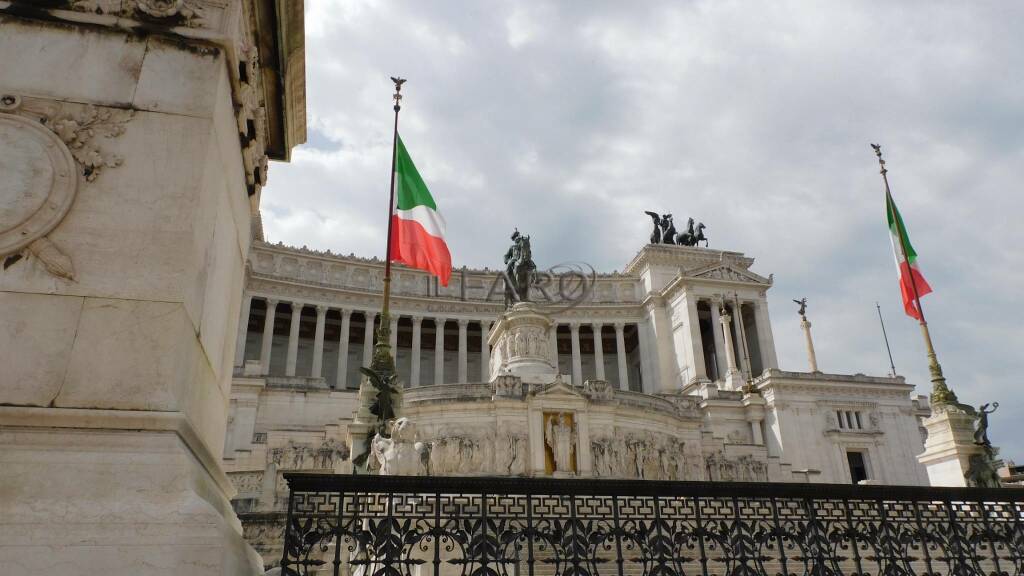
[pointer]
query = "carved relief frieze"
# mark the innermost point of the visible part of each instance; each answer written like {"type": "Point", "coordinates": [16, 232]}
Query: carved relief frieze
{"type": "Point", "coordinates": [44, 147]}
{"type": "Point", "coordinates": [644, 455]}
{"type": "Point", "coordinates": [476, 450]}
{"type": "Point", "coordinates": [189, 13]}
{"type": "Point", "coordinates": [741, 469]}
{"type": "Point", "coordinates": [726, 273]}
{"type": "Point", "coordinates": [301, 456]}
{"type": "Point", "coordinates": [247, 483]}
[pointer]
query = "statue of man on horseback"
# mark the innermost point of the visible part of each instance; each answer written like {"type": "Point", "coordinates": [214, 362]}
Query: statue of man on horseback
{"type": "Point", "coordinates": [519, 270]}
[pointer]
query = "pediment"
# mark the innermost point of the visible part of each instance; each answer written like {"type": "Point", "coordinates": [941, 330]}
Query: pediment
{"type": "Point", "coordinates": [559, 389]}
{"type": "Point", "coordinates": [726, 273]}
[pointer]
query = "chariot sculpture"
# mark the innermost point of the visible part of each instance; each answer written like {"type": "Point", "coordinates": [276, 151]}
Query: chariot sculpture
{"type": "Point", "coordinates": [665, 231]}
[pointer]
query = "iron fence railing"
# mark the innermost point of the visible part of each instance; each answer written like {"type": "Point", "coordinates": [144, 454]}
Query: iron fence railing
{"type": "Point", "coordinates": [435, 526]}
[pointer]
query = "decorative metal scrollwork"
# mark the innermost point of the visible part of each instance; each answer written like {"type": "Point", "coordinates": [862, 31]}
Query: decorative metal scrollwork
{"type": "Point", "coordinates": [419, 526]}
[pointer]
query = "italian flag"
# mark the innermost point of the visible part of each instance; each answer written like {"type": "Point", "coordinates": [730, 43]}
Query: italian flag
{"type": "Point", "coordinates": [906, 260]}
{"type": "Point", "coordinates": [417, 228]}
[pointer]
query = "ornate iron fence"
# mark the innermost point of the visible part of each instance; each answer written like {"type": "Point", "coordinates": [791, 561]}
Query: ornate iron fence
{"type": "Point", "coordinates": [434, 526]}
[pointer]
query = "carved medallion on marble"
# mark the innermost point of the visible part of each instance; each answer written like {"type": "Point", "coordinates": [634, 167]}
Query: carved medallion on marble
{"type": "Point", "coordinates": [39, 184]}
{"type": "Point", "coordinates": [44, 145]}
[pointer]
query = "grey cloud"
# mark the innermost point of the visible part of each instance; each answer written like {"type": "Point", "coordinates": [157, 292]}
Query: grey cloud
{"type": "Point", "coordinates": [568, 119]}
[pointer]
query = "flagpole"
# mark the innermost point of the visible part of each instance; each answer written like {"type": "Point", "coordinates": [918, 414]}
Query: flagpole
{"type": "Point", "coordinates": [885, 336]}
{"type": "Point", "coordinates": [941, 394]}
{"type": "Point", "coordinates": [382, 358]}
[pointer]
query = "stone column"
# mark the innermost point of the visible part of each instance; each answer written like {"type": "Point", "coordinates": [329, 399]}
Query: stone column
{"type": "Point", "coordinates": [341, 380]}
{"type": "Point", "coordinates": [485, 351]}
{"type": "Point", "coordinates": [318, 342]}
{"type": "Point", "coordinates": [696, 345]}
{"type": "Point", "coordinates": [268, 335]}
{"type": "Point", "coordinates": [744, 361]}
{"type": "Point", "coordinates": [648, 364]}
{"type": "Point", "coordinates": [577, 361]}
{"type": "Point", "coordinates": [243, 330]}
{"type": "Point", "coordinates": [368, 338]}
{"type": "Point", "coordinates": [733, 376]}
{"type": "Point", "coordinates": [553, 342]}
{"type": "Point", "coordinates": [716, 327]}
{"type": "Point", "coordinates": [754, 411]}
{"type": "Point", "coordinates": [293, 339]}
{"type": "Point", "coordinates": [764, 334]}
{"type": "Point", "coordinates": [463, 351]}
{"type": "Point", "coordinates": [598, 350]}
{"type": "Point", "coordinates": [414, 369]}
{"type": "Point", "coordinates": [620, 355]}
{"type": "Point", "coordinates": [439, 350]}
{"type": "Point", "coordinates": [812, 359]}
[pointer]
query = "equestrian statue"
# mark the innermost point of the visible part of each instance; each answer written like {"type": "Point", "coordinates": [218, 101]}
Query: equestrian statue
{"type": "Point", "coordinates": [519, 270]}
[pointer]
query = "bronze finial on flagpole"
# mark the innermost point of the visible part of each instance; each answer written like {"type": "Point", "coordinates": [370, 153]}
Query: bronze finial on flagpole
{"type": "Point", "coordinates": [941, 394]}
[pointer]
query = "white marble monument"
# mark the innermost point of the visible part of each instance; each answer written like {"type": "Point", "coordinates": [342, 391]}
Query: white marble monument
{"type": "Point", "coordinates": [134, 141]}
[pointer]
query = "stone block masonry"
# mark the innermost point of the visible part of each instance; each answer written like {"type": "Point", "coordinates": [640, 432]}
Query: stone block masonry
{"type": "Point", "coordinates": [134, 140]}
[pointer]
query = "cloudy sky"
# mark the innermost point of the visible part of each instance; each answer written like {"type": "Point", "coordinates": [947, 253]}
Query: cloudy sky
{"type": "Point", "coordinates": [569, 119]}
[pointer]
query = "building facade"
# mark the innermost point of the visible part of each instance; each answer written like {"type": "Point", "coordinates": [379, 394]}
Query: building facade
{"type": "Point", "coordinates": [666, 370]}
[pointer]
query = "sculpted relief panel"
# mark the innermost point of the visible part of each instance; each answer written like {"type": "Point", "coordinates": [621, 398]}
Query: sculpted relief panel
{"type": "Point", "coordinates": [645, 455]}
{"type": "Point", "coordinates": [477, 450]}
{"type": "Point", "coordinates": [741, 469]}
{"type": "Point", "coordinates": [299, 456]}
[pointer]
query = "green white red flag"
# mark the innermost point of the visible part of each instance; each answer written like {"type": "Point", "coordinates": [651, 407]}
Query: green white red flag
{"type": "Point", "coordinates": [912, 283]}
{"type": "Point", "coordinates": [417, 228]}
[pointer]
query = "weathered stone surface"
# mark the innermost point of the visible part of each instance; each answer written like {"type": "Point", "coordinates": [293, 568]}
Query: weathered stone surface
{"type": "Point", "coordinates": [67, 63]}
{"type": "Point", "coordinates": [37, 333]}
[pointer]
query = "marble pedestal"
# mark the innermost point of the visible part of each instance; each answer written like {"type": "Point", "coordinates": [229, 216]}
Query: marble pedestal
{"type": "Point", "coordinates": [520, 347]}
{"type": "Point", "coordinates": [133, 142]}
{"type": "Point", "coordinates": [949, 446]}
{"type": "Point", "coordinates": [105, 500]}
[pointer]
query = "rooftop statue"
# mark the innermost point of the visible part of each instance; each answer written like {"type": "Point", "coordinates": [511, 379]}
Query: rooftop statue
{"type": "Point", "coordinates": [519, 269]}
{"type": "Point", "coordinates": [803, 307]}
{"type": "Point", "coordinates": [665, 231]}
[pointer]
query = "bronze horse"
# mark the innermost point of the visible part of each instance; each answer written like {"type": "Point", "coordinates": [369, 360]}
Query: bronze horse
{"type": "Point", "coordinates": [693, 235]}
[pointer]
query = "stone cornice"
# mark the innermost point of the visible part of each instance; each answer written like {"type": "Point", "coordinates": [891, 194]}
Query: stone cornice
{"type": "Point", "coordinates": [264, 46]}
{"type": "Point", "coordinates": [684, 257]}
{"type": "Point", "coordinates": [351, 258]}
{"type": "Point", "coordinates": [344, 297]}
{"type": "Point", "coordinates": [773, 382]}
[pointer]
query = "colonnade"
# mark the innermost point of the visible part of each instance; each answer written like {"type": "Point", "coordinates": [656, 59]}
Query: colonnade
{"type": "Point", "coordinates": [371, 318]}
{"type": "Point", "coordinates": [417, 369]}
{"type": "Point", "coordinates": [597, 329]}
